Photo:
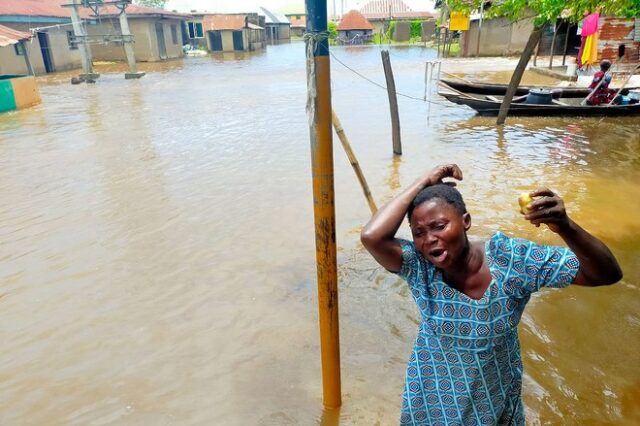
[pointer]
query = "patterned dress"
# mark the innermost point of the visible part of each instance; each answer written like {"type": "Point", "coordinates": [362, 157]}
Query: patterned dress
{"type": "Point", "coordinates": [465, 368]}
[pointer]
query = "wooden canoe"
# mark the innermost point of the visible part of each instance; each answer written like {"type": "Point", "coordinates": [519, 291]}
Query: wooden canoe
{"type": "Point", "coordinates": [500, 89]}
{"type": "Point", "coordinates": [562, 106]}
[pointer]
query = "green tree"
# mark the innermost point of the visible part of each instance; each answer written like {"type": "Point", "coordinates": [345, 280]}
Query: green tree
{"type": "Point", "coordinates": [332, 29]}
{"type": "Point", "coordinates": [545, 12]}
{"type": "Point", "coordinates": [151, 3]}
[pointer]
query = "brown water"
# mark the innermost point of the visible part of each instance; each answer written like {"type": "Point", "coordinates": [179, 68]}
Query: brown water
{"type": "Point", "coordinates": [157, 258]}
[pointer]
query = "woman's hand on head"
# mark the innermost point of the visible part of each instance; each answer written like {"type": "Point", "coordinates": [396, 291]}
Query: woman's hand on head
{"type": "Point", "coordinates": [548, 208]}
{"type": "Point", "coordinates": [436, 175]}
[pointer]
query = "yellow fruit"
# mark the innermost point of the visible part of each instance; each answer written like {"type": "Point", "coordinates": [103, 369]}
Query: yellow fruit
{"type": "Point", "coordinates": [524, 200]}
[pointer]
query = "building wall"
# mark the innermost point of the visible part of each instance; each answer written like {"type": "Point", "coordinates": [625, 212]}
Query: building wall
{"type": "Point", "coordinates": [145, 45]}
{"type": "Point", "coordinates": [63, 57]}
{"type": "Point", "coordinates": [402, 31]}
{"type": "Point", "coordinates": [10, 63]}
{"type": "Point", "coordinates": [615, 31]}
{"type": "Point", "coordinates": [498, 37]}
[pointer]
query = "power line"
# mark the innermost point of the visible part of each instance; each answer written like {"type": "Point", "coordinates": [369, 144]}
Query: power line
{"type": "Point", "coordinates": [385, 87]}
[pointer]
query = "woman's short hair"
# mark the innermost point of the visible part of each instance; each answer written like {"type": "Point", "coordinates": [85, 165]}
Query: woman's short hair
{"type": "Point", "coordinates": [442, 191]}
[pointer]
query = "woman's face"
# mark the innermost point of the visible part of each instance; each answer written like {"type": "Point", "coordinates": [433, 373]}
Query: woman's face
{"type": "Point", "coordinates": [439, 232]}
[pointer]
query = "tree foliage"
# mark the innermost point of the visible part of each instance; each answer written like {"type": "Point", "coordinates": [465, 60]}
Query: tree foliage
{"type": "Point", "coordinates": [151, 3]}
{"type": "Point", "coordinates": [332, 29]}
{"type": "Point", "coordinates": [548, 11]}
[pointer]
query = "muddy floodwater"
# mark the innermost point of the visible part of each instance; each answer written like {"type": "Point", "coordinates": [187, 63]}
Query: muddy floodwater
{"type": "Point", "coordinates": [157, 260]}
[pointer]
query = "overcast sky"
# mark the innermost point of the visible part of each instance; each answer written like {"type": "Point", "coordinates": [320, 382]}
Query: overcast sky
{"type": "Point", "coordinates": [282, 6]}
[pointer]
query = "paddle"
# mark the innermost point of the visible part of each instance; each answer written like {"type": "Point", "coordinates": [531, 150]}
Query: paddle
{"type": "Point", "coordinates": [633, 71]}
{"type": "Point", "coordinates": [621, 50]}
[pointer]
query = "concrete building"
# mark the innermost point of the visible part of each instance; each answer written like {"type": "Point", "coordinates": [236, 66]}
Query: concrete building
{"type": "Point", "coordinates": [157, 34]}
{"type": "Point", "coordinates": [233, 32]}
{"type": "Point", "coordinates": [13, 51]}
{"type": "Point", "coordinates": [277, 27]}
{"type": "Point", "coordinates": [298, 24]}
{"type": "Point", "coordinates": [51, 48]}
{"type": "Point", "coordinates": [498, 37]}
{"type": "Point", "coordinates": [354, 29]}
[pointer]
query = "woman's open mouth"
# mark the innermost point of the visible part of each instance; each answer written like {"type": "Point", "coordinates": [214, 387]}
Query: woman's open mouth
{"type": "Point", "coordinates": [438, 255]}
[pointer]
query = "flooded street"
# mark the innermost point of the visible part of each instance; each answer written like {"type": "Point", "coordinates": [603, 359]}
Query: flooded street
{"type": "Point", "coordinates": [157, 259]}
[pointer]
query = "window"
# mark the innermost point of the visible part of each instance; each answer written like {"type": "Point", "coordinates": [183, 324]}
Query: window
{"type": "Point", "coordinates": [195, 30]}
{"type": "Point", "coordinates": [19, 49]}
{"type": "Point", "coordinates": [70, 41]}
{"type": "Point", "coordinates": [174, 34]}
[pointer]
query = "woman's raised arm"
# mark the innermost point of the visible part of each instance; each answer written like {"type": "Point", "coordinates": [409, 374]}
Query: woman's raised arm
{"type": "Point", "coordinates": [598, 266]}
{"type": "Point", "coordinates": [378, 236]}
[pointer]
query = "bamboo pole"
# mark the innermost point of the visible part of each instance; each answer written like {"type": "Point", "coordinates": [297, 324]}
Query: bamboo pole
{"type": "Point", "coordinates": [393, 102]}
{"type": "Point", "coordinates": [321, 135]}
{"type": "Point", "coordinates": [354, 162]}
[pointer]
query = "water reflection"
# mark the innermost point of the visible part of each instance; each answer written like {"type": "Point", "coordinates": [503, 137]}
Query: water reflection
{"type": "Point", "coordinates": [157, 252]}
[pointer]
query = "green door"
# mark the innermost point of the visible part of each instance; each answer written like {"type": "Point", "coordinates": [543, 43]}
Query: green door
{"type": "Point", "coordinates": [7, 98]}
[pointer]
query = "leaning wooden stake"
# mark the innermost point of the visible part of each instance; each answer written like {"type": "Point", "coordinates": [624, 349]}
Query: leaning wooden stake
{"type": "Point", "coordinates": [324, 212]}
{"type": "Point", "coordinates": [354, 161]}
{"type": "Point", "coordinates": [534, 39]}
{"type": "Point", "coordinates": [393, 102]}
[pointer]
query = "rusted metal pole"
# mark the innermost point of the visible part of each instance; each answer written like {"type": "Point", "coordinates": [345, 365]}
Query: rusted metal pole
{"type": "Point", "coordinates": [354, 162]}
{"type": "Point", "coordinates": [319, 109]}
{"type": "Point", "coordinates": [393, 102]}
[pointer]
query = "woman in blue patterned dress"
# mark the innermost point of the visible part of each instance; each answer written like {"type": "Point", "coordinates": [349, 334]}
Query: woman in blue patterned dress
{"type": "Point", "coordinates": [465, 368]}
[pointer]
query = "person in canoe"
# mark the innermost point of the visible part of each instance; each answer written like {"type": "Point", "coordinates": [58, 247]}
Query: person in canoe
{"type": "Point", "coordinates": [465, 367]}
{"type": "Point", "coordinates": [600, 82]}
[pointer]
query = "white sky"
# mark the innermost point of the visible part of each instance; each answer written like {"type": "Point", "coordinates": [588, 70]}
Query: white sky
{"type": "Point", "coordinates": [281, 6]}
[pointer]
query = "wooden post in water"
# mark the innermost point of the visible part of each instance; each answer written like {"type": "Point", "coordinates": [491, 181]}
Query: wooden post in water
{"type": "Point", "coordinates": [393, 102]}
{"type": "Point", "coordinates": [354, 162]}
{"type": "Point", "coordinates": [321, 134]}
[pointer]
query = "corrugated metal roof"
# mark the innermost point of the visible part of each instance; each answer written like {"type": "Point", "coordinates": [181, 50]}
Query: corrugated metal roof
{"type": "Point", "coordinates": [48, 8]}
{"type": "Point", "coordinates": [403, 15]}
{"type": "Point", "coordinates": [10, 36]}
{"type": "Point", "coordinates": [273, 18]}
{"type": "Point", "coordinates": [385, 7]}
{"type": "Point", "coordinates": [354, 20]}
{"type": "Point", "coordinates": [224, 22]}
{"type": "Point", "coordinates": [134, 10]}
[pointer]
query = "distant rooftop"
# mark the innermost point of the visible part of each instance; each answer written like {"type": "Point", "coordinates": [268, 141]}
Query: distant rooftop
{"type": "Point", "coordinates": [272, 18]}
{"type": "Point", "coordinates": [354, 20]}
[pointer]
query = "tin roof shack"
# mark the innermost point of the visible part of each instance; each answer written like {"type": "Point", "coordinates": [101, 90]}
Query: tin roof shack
{"type": "Point", "coordinates": [51, 48]}
{"type": "Point", "coordinates": [298, 24]}
{"type": "Point", "coordinates": [233, 32]}
{"type": "Point", "coordinates": [354, 29]}
{"type": "Point", "coordinates": [277, 26]}
{"type": "Point", "coordinates": [380, 13]}
{"type": "Point", "coordinates": [157, 34]}
{"type": "Point", "coordinates": [615, 31]}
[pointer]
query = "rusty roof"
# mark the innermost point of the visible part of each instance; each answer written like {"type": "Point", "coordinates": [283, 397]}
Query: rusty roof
{"type": "Point", "coordinates": [354, 20]}
{"type": "Point", "coordinates": [45, 8]}
{"type": "Point", "coordinates": [224, 21]}
{"type": "Point", "coordinates": [10, 36]}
